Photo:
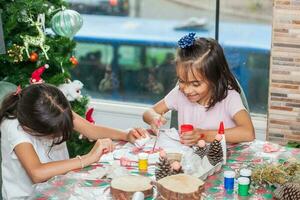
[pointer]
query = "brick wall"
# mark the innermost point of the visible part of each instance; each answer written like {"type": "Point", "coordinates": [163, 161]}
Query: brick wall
{"type": "Point", "coordinates": [284, 88]}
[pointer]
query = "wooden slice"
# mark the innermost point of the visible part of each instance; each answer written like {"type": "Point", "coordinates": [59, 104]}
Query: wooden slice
{"type": "Point", "coordinates": [180, 187]}
{"type": "Point", "coordinates": [123, 188]}
{"type": "Point", "coordinates": [174, 157]}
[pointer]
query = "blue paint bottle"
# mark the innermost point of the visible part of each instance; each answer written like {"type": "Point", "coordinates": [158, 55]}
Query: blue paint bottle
{"type": "Point", "coordinates": [229, 181]}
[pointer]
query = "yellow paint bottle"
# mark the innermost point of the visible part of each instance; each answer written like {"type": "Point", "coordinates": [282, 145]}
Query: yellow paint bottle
{"type": "Point", "coordinates": [143, 162]}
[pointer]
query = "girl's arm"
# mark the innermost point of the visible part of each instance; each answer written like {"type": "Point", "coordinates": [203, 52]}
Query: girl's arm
{"type": "Point", "coordinates": [243, 132]}
{"type": "Point", "coordinates": [40, 172]}
{"type": "Point", "coordinates": [154, 115]}
{"type": "Point", "coordinates": [95, 132]}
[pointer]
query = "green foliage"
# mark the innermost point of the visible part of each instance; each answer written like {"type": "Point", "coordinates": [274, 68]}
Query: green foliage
{"type": "Point", "coordinates": [14, 15]}
{"type": "Point", "coordinates": [78, 146]}
{"type": "Point", "coordinates": [274, 173]}
{"type": "Point", "coordinates": [80, 106]}
{"type": "Point", "coordinates": [293, 144]}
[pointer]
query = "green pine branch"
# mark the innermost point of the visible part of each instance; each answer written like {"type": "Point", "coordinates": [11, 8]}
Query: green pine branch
{"type": "Point", "coordinates": [61, 49]}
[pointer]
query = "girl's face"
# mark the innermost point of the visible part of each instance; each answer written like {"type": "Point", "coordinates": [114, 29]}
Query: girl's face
{"type": "Point", "coordinates": [193, 85]}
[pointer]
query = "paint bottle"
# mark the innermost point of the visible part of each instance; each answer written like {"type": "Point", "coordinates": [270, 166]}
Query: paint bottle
{"type": "Point", "coordinates": [186, 128]}
{"type": "Point", "coordinates": [229, 181]}
{"type": "Point", "coordinates": [246, 173]}
{"type": "Point", "coordinates": [143, 162]}
{"type": "Point", "coordinates": [243, 187]}
{"type": "Point", "coordinates": [221, 132]}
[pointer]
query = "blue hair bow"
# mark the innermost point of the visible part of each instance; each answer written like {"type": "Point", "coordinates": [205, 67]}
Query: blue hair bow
{"type": "Point", "coordinates": [187, 40]}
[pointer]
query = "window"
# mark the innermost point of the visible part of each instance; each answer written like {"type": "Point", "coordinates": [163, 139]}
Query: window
{"type": "Point", "coordinates": [249, 51]}
{"type": "Point", "coordinates": [130, 58]}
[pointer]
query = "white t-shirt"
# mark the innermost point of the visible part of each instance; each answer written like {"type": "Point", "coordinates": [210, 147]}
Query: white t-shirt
{"type": "Point", "coordinates": [16, 182]}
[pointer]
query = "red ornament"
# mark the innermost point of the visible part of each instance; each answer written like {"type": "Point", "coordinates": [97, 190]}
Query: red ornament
{"type": "Point", "coordinates": [88, 115]}
{"type": "Point", "coordinates": [33, 57]}
{"type": "Point", "coordinates": [74, 60]}
{"type": "Point", "coordinates": [36, 74]}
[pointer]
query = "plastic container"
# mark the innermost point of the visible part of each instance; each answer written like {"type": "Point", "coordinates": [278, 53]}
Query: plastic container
{"type": "Point", "coordinates": [229, 181]}
{"type": "Point", "coordinates": [143, 162]}
{"type": "Point", "coordinates": [244, 184]}
{"type": "Point", "coordinates": [246, 173]}
{"type": "Point", "coordinates": [186, 128]}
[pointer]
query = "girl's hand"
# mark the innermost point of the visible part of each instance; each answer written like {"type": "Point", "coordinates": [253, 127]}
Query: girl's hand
{"type": "Point", "coordinates": [101, 147]}
{"type": "Point", "coordinates": [135, 134]}
{"type": "Point", "coordinates": [157, 121]}
{"type": "Point", "coordinates": [190, 138]}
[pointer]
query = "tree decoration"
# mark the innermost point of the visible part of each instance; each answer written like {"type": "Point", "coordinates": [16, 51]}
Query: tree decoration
{"type": "Point", "coordinates": [26, 18]}
{"type": "Point", "coordinates": [288, 191]}
{"type": "Point", "coordinates": [89, 117]}
{"type": "Point", "coordinates": [16, 53]}
{"type": "Point", "coordinates": [74, 60]}
{"type": "Point", "coordinates": [36, 41]}
{"type": "Point", "coordinates": [72, 90]}
{"type": "Point", "coordinates": [33, 57]}
{"type": "Point", "coordinates": [66, 23]}
{"type": "Point", "coordinates": [36, 74]}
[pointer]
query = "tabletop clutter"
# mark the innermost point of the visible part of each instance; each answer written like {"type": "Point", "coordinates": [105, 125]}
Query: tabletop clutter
{"type": "Point", "coordinates": [167, 169]}
{"type": "Point", "coordinates": [179, 171]}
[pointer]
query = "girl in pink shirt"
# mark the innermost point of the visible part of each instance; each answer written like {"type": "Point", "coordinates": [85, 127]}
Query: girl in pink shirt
{"type": "Point", "coordinates": [207, 93]}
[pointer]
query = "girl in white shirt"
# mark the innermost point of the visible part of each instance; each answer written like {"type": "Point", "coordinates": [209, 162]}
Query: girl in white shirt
{"type": "Point", "coordinates": [35, 125]}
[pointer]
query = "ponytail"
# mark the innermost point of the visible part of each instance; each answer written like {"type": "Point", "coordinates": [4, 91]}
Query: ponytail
{"type": "Point", "coordinates": [9, 106]}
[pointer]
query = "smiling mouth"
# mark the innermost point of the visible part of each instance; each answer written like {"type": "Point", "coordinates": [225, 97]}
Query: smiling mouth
{"type": "Point", "coordinates": [192, 96]}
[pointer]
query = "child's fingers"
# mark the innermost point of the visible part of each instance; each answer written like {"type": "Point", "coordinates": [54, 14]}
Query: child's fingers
{"type": "Point", "coordinates": [105, 150]}
{"type": "Point", "coordinates": [136, 134]}
{"type": "Point", "coordinates": [187, 135]}
{"type": "Point", "coordinates": [162, 121]}
{"type": "Point", "coordinates": [142, 132]}
{"type": "Point", "coordinates": [189, 142]}
{"type": "Point", "coordinates": [154, 129]}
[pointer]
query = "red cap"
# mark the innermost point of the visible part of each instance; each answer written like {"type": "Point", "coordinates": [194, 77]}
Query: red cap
{"type": "Point", "coordinates": [36, 74]}
{"type": "Point", "coordinates": [221, 128]}
{"type": "Point", "coordinates": [186, 128]}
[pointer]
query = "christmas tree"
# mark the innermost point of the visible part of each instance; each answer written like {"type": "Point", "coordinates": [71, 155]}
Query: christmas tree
{"type": "Point", "coordinates": [39, 33]}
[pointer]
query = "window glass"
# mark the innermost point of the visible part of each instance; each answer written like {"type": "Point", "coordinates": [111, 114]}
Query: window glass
{"type": "Point", "coordinates": [136, 62]}
{"type": "Point", "coordinates": [245, 35]}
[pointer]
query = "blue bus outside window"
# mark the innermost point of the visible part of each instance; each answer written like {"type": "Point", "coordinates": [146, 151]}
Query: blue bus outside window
{"type": "Point", "coordinates": [139, 49]}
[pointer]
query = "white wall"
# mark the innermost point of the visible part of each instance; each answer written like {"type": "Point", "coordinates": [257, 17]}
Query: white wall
{"type": "Point", "coordinates": [126, 115]}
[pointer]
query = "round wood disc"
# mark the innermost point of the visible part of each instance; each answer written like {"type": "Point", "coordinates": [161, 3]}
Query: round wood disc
{"type": "Point", "coordinates": [123, 188]}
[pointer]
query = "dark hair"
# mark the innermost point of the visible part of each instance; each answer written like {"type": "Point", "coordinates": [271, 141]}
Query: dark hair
{"type": "Point", "coordinates": [207, 57]}
{"type": "Point", "coordinates": [42, 110]}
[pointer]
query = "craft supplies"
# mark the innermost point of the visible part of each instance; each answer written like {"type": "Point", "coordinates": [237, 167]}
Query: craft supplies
{"type": "Point", "coordinates": [143, 162]}
{"type": "Point", "coordinates": [246, 173]}
{"type": "Point", "coordinates": [229, 181]}
{"type": "Point", "coordinates": [243, 186]}
{"type": "Point", "coordinates": [186, 128]}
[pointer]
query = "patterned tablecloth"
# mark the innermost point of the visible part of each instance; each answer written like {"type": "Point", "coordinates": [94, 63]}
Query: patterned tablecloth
{"type": "Point", "coordinates": [241, 155]}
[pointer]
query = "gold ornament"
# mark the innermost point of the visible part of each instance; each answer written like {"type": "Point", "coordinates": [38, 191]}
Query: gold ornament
{"type": "Point", "coordinates": [16, 53]}
{"type": "Point", "coordinates": [38, 40]}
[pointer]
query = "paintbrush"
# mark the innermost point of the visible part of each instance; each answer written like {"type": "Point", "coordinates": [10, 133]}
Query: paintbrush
{"type": "Point", "coordinates": [158, 132]}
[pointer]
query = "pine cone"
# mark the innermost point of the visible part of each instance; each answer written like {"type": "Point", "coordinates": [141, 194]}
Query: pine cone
{"type": "Point", "coordinates": [163, 168]}
{"type": "Point", "coordinates": [215, 153]}
{"type": "Point", "coordinates": [201, 151]}
{"type": "Point", "coordinates": [288, 191]}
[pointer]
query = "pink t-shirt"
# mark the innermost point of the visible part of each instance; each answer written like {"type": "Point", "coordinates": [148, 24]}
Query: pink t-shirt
{"type": "Point", "coordinates": [195, 114]}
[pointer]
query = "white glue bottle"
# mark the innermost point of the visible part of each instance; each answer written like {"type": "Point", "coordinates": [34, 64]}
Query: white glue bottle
{"type": "Point", "coordinates": [221, 132]}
